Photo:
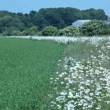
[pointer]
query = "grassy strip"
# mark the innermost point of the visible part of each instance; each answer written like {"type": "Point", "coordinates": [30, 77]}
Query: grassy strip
{"type": "Point", "coordinates": [82, 81]}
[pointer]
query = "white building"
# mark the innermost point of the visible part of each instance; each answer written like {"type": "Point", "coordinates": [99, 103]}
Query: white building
{"type": "Point", "coordinates": [80, 23]}
{"type": "Point", "coordinates": [107, 21]}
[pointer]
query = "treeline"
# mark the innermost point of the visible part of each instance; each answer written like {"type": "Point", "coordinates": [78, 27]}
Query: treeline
{"type": "Point", "coordinates": [36, 21]}
{"type": "Point", "coordinates": [94, 27]}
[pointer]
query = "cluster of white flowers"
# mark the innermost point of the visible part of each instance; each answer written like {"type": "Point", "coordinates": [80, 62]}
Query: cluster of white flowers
{"type": "Point", "coordinates": [65, 39]}
{"type": "Point", "coordinates": [83, 85]}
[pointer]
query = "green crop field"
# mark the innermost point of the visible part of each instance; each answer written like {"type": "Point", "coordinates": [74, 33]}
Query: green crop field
{"type": "Point", "coordinates": [25, 69]}
{"type": "Point", "coordinates": [45, 75]}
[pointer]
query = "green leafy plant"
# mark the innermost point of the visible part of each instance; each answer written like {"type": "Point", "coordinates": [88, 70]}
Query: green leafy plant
{"type": "Point", "coordinates": [92, 28]}
{"type": "Point", "coordinates": [69, 31]}
{"type": "Point", "coordinates": [50, 31]}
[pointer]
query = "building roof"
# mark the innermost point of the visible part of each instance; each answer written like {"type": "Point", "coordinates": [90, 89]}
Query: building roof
{"type": "Point", "coordinates": [80, 23]}
{"type": "Point", "coordinates": [107, 22]}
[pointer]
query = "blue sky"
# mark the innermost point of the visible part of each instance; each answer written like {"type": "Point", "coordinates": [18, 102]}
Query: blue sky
{"type": "Point", "coordinates": [28, 5]}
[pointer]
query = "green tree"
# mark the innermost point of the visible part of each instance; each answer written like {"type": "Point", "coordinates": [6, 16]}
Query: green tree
{"type": "Point", "coordinates": [69, 31]}
{"type": "Point", "coordinates": [91, 13]}
{"type": "Point", "coordinates": [106, 30]}
{"type": "Point", "coordinates": [92, 28]}
{"type": "Point", "coordinates": [38, 20]}
{"type": "Point", "coordinates": [16, 23]}
{"type": "Point", "coordinates": [50, 31]}
{"type": "Point", "coordinates": [30, 31]}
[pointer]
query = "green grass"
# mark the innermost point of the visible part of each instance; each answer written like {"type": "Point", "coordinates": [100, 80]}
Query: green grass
{"type": "Point", "coordinates": [25, 69]}
{"type": "Point", "coordinates": [79, 50]}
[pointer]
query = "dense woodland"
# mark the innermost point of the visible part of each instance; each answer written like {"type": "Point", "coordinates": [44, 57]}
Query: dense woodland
{"type": "Point", "coordinates": [36, 21]}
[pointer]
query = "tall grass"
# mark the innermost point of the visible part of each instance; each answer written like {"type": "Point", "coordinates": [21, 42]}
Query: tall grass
{"type": "Point", "coordinates": [82, 81]}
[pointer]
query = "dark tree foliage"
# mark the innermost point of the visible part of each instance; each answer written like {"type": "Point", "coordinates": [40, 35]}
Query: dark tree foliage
{"type": "Point", "coordinates": [16, 23]}
{"type": "Point", "coordinates": [94, 14]}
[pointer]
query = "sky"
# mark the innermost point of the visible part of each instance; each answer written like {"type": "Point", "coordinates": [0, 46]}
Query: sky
{"type": "Point", "coordinates": [26, 6]}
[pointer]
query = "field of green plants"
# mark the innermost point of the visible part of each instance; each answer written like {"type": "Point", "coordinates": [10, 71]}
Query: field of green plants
{"type": "Point", "coordinates": [25, 69]}
{"type": "Point", "coordinates": [46, 75]}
